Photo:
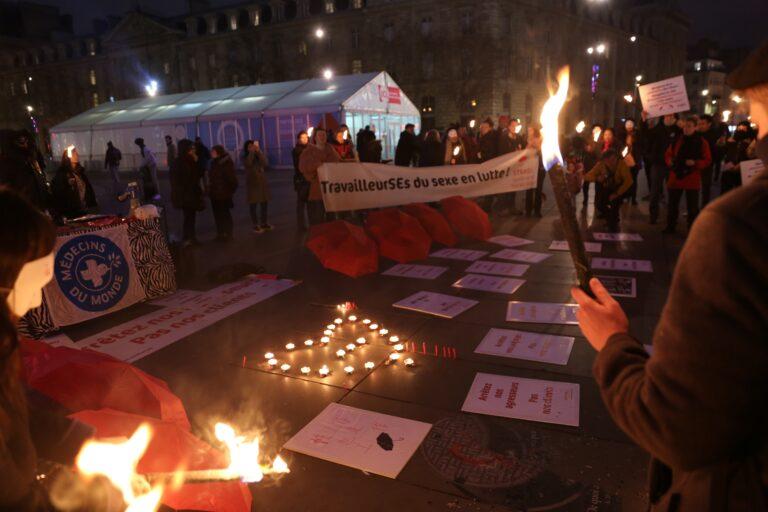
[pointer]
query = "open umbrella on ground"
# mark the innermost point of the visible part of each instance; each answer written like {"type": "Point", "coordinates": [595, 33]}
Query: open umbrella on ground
{"type": "Point", "coordinates": [467, 218]}
{"type": "Point", "coordinates": [80, 379]}
{"type": "Point", "coordinates": [173, 448]}
{"type": "Point", "coordinates": [344, 247]}
{"type": "Point", "coordinates": [433, 223]}
{"type": "Point", "coordinates": [399, 236]}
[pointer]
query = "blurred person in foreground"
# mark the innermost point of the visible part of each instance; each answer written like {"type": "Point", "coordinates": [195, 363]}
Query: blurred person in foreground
{"type": "Point", "coordinates": [698, 403]}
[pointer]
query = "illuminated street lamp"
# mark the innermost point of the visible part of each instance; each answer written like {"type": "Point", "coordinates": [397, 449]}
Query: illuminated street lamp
{"type": "Point", "coordinates": [705, 92]}
{"type": "Point", "coordinates": [319, 33]}
{"type": "Point", "coordinates": [600, 48]}
{"type": "Point", "coordinates": [151, 88]}
{"type": "Point", "coordinates": [639, 78]}
{"type": "Point", "coordinates": [327, 73]}
{"type": "Point", "coordinates": [30, 109]}
{"type": "Point", "coordinates": [590, 50]}
{"type": "Point", "coordinates": [632, 39]}
{"type": "Point", "coordinates": [628, 98]}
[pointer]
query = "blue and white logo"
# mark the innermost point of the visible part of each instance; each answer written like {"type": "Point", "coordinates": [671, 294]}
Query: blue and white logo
{"type": "Point", "coordinates": [92, 272]}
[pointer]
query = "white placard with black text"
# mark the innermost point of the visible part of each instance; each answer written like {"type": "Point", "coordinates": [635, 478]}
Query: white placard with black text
{"type": "Point", "coordinates": [438, 304]}
{"type": "Point", "coordinates": [542, 313]}
{"type": "Point", "coordinates": [562, 245]}
{"type": "Point", "coordinates": [665, 97]}
{"type": "Point", "coordinates": [621, 264]}
{"type": "Point", "coordinates": [415, 271]}
{"type": "Point", "coordinates": [517, 255]}
{"type": "Point", "coordinates": [530, 346]}
{"type": "Point", "coordinates": [458, 254]}
{"type": "Point", "coordinates": [483, 283]}
{"type": "Point", "coordinates": [497, 268]}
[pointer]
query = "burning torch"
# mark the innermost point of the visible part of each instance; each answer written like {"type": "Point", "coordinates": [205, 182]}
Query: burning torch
{"type": "Point", "coordinates": [553, 163]}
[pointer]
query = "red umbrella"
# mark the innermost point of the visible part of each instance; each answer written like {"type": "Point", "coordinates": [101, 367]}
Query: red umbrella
{"type": "Point", "coordinates": [344, 247]}
{"type": "Point", "coordinates": [433, 223]}
{"type": "Point", "coordinates": [80, 379]}
{"type": "Point", "coordinates": [173, 448]}
{"type": "Point", "coordinates": [399, 236]}
{"type": "Point", "coordinates": [467, 218]}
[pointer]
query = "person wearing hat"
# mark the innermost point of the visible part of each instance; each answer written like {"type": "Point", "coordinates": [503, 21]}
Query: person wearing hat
{"type": "Point", "coordinates": [697, 405]}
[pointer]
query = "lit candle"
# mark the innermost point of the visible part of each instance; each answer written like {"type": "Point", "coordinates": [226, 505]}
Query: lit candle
{"type": "Point", "coordinates": [399, 347]}
{"type": "Point", "coordinates": [309, 343]}
{"type": "Point", "coordinates": [328, 332]}
{"type": "Point", "coordinates": [340, 353]}
{"type": "Point", "coordinates": [331, 327]}
{"type": "Point", "coordinates": [409, 362]}
{"type": "Point", "coordinates": [366, 321]}
{"type": "Point", "coordinates": [324, 371]}
{"type": "Point", "coordinates": [290, 346]}
{"type": "Point", "coordinates": [325, 339]}
{"type": "Point", "coordinates": [394, 356]}
{"type": "Point", "coordinates": [305, 370]}
{"type": "Point", "coordinates": [272, 362]}
{"type": "Point", "coordinates": [351, 347]}
{"type": "Point", "coordinates": [361, 341]}
{"type": "Point", "coordinates": [383, 332]}
{"type": "Point", "coordinates": [352, 318]}
{"type": "Point", "coordinates": [338, 321]}
{"type": "Point", "coordinates": [285, 367]}
{"type": "Point", "coordinates": [369, 365]}
{"type": "Point", "coordinates": [373, 327]}
{"type": "Point", "coordinates": [269, 355]}
{"type": "Point", "coordinates": [349, 369]}
{"type": "Point", "coordinates": [394, 339]}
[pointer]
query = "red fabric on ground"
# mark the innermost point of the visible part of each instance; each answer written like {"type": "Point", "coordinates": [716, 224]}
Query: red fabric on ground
{"type": "Point", "coordinates": [344, 247]}
{"type": "Point", "coordinates": [399, 236]}
{"type": "Point", "coordinates": [467, 218]}
{"type": "Point", "coordinates": [433, 223]}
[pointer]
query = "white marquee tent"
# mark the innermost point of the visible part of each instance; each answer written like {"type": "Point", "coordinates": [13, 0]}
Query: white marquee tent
{"type": "Point", "coordinates": [271, 113]}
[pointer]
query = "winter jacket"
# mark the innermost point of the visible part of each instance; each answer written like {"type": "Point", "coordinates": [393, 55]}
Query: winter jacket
{"type": "Point", "coordinates": [488, 146]}
{"type": "Point", "coordinates": [432, 154]}
{"type": "Point", "coordinates": [112, 157]}
{"type": "Point", "coordinates": [148, 159]}
{"type": "Point", "coordinates": [310, 161]}
{"type": "Point", "coordinates": [450, 147]}
{"type": "Point", "coordinates": [186, 184]}
{"type": "Point", "coordinates": [170, 154]}
{"type": "Point", "coordinates": [674, 158]}
{"type": "Point", "coordinates": [617, 180]}
{"type": "Point", "coordinates": [256, 185]}
{"type": "Point", "coordinates": [222, 181]}
{"type": "Point", "coordinates": [67, 197]}
{"type": "Point", "coordinates": [510, 144]}
{"type": "Point", "coordinates": [300, 184]}
{"type": "Point", "coordinates": [346, 151]}
{"type": "Point", "coordinates": [21, 172]}
{"type": "Point", "coordinates": [697, 405]}
{"type": "Point", "coordinates": [656, 140]}
{"type": "Point", "coordinates": [407, 149]}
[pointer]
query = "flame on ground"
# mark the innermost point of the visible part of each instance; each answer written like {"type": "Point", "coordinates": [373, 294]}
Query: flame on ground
{"type": "Point", "coordinates": [244, 456]}
{"type": "Point", "coordinates": [117, 462]}
{"type": "Point", "coordinates": [550, 146]}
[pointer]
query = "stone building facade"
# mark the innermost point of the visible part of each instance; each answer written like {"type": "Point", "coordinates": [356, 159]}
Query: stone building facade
{"type": "Point", "coordinates": [456, 59]}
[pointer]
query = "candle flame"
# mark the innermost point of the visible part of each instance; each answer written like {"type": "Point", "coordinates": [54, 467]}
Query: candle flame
{"type": "Point", "coordinates": [472, 123]}
{"type": "Point", "coordinates": [117, 461]}
{"type": "Point", "coordinates": [550, 148]}
{"type": "Point", "coordinates": [244, 455]}
{"type": "Point", "coordinates": [518, 128]}
{"type": "Point", "coordinates": [596, 133]}
{"type": "Point", "coordinates": [310, 131]}
{"type": "Point", "coordinates": [345, 135]}
{"type": "Point", "coordinates": [70, 148]}
{"type": "Point", "coordinates": [580, 127]}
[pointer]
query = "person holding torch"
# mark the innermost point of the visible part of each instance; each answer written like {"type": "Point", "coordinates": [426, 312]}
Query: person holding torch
{"type": "Point", "coordinates": [697, 405]}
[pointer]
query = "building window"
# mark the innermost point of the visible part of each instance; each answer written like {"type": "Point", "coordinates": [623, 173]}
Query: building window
{"type": "Point", "coordinates": [24, 88]}
{"type": "Point", "coordinates": [13, 89]}
{"type": "Point", "coordinates": [92, 77]}
{"type": "Point", "coordinates": [427, 104]}
{"type": "Point", "coordinates": [357, 4]}
{"type": "Point", "coordinates": [303, 50]}
{"type": "Point", "coordinates": [193, 64]}
{"type": "Point", "coordinates": [212, 60]}
{"type": "Point", "coordinates": [91, 48]}
{"type": "Point", "coordinates": [355, 38]}
{"type": "Point", "coordinates": [235, 81]}
{"type": "Point", "coordinates": [466, 23]}
{"type": "Point", "coordinates": [95, 98]}
{"type": "Point", "coordinates": [167, 68]}
{"type": "Point", "coordinates": [506, 102]}
{"type": "Point", "coordinates": [256, 19]}
{"type": "Point", "coordinates": [697, 66]}
{"type": "Point", "coordinates": [233, 22]}
{"type": "Point", "coordinates": [330, 6]}
{"type": "Point", "coordinates": [357, 66]}
{"type": "Point", "coordinates": [426, 26]}
{"type": "Point", "coordinates": [389, 31]}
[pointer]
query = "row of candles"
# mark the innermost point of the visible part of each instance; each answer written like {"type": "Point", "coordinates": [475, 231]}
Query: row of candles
{"type": "Point", "coordinates": [324, 370]}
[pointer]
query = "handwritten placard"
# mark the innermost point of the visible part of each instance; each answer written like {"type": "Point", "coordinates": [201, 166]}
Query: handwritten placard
{"type": "Point", "coordinates": [509, 240]}
{"type": "Point", "coordinates": [542, 312]}
{"type": "Point", "coordinates": [437, 304]}
{"type": "Point", "coordinates": [530, 346]}
{"type": "Point", "coordinates": [458, 254]}
{"type": "Point", "coordinates": [665, 97]}
{"type": "Point", "coordinates": [517, 255]}
{"type": "Point", "coordinates": [617, 237]}
{"type": "Point", "coordinates": [750, 169]}
{"type": "Point", "coordinates": [483, 283]}
{"type": "Point", "coordinates": [562, 245]}
{"type": "Point", "coordinates": [622, 264]}
{"type": "Point", "coordinates": [415, 271]}
{"type": "Point", "coordinates": [497, 268]}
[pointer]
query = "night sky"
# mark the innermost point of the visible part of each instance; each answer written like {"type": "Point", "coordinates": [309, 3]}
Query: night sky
{"type": "Point", "coordinates": [734, 23]}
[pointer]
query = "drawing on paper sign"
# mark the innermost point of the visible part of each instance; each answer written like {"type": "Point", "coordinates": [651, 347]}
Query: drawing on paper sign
{"type": "Point", "coordinates": [542, 313]}
{"type": "Point", "coordinates": [444, 306]}
{"type": "Point", "coordinates": [366, 440]}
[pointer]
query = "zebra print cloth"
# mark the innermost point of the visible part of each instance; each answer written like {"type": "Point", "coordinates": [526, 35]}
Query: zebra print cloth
{"type": "Point", "coordinates": [151, 258]}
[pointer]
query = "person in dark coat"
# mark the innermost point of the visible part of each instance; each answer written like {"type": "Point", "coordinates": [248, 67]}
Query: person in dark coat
{"type": "Point", "coordinates": [256, 185]}
{"type": "Point", "coordinates": [533, 197]}
{"type": "Point", "coordinates": [697, 404]}
{"type": "Point", "coordinates": [431, 150]}
{"type": "Point", "coordinates": [170, 151]}
{"type": "Point", "coordinates": [112, 159]}
{"type": "Point", "coordinates": [657, 140]}
{"type": "Point", "coordinates": [73, 195]}
{"type": "Point", "coordinates": [711, 134]}
{"type": "Point", "coordinates": [222, 183]}
{"type": "Point", "coordinates": [312, 157]}
{"type": "Point", "coordinates": [736, 151]}
{"type": "Point", "coordinates": [186, 188]}
{"type": "Point", "coordinates": [203, 154]}
{"type": "Point", "coordinates": [300, 184]}
{"type": "Point", "coordinates": [20, 171]}
{"type": "Point", "coordinates": [408, 147]}
{"type": "Point", "coordinates": [511, 140]}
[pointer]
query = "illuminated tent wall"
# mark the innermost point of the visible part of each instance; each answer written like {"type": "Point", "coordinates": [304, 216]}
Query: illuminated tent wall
{"type": "Point", "coordinates": [271, 113]}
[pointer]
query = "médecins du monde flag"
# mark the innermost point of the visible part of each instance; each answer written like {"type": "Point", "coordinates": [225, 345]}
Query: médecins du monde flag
{"type": "Point", "coordinates": [357, 186]}
{"type": "Point", "coordinates": [94, 274]}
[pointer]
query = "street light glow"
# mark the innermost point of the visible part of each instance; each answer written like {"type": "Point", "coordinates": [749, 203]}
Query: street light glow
{"type": "Point", "coordinates": [600, 48]}
{"type": "Point", "coordinates": [327, 74]}
{"type": "Point", "coordinates": [29, 108]}
{"type": "Point", "coordinates": [705, 92]}
{"type": "Point", "coordinates": [590, 50]}
{"type": "Point", "coordinates": [319, 33]}
{"type": "Point", "coordinates": [151, 88]}
{"type": "Point", "coordinates": [638, 78]}
{"type": "Point", "coordinates": [736, 99]}
{"type": "Point", "coordinates": [633, 39]}
{"type": "Point", "coordinates": [628, 98]}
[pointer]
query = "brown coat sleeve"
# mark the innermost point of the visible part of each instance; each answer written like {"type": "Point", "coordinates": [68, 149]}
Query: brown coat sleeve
{"type": "Point", "coordinates": [701, 397]}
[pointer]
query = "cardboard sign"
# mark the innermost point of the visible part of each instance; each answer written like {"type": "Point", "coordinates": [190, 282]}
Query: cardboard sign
{"type": "Point", "coordinates": [524, 399]}
{"type": "Point", "coordinates": [620, 286]}
{"type": "Point", "coordinates": [497, 268]}
{"type": "Point", "coordinates": [665, 97]}
{"type": "Point", "coordinates": [494, 284]}
{"type": "Point", "coordinates": [444, 306]}
{"type": "Point", "coordinates": [459, 254]}
{"type": "Point", "coordinates": [542, 313]}
{"type": "Point", "coordinates": [415, 271]}
{"type": "Point", "coordinates": [531, 346]}
{"type": "Point", "coordinates": [749, 170]}
{"type": "Point", "coordinates": [524, 256]}
{"type": "Point", "coordinates": [509, 240]}
{"type": "Point", "coordinates": [621, 264]}
{"type": "Point", "coordinates": [365, 440]}
{"type": "Point", "coordinates": [562, 245]}
{"type": "Point", "coordinates": [617, 237]}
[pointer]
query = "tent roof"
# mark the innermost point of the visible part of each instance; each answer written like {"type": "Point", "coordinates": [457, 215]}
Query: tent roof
{"type": "Point", "coordinates": [310, 95]}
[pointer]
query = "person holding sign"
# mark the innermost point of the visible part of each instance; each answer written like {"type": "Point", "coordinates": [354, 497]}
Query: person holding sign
{"type": "Point", "coordinates": [698, 404]}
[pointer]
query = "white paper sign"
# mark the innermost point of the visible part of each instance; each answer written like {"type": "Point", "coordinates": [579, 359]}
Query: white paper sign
{"type": "Point", "coordinates": [517, 255]}
{"type": "Point", "coordinates": [369, 441]}
{"type": "Point", "coordinates": [619, 286]}
{"type": "Point", "coordinates": [415, 271]}
{"type": "Point", "coordinates": [562, 245]}
{"type": "Point", "coordinates": [444, 306]}
{"type": "Point", "coordinates": [665, 97]}
{"type": "Point", "coordinates": [525, 399]}
{"type": "Point", "coordinates": [459, 254]}
{"type": "Point", "coordinates": [749, 170]}
{"type": "Point", "coordinates": [621, 264]}
{"type": "Point", "coordinates": [542, 313]}
{"type": "Point", "coordinates": [494, 284]}
{"type": "Point", "coordinates": [531, 346]}
{"type": "Point", "coordinates": [509, 240]}
{"type": "Point", "coordinates": [497, 268]}
{"type": "Point", "coordinates": [617, 237]}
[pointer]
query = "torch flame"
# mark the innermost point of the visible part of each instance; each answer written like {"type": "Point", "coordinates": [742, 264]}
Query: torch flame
{"type": "Point", "coordinates": [345, 134]}
{"type": "Point", "coordinates": [310, 130]}
{"type": "Point", "coordinates": [70, 148]}
{"type": "Point", "coordinates": [550, 148]}
{"type": "Point", "coordinates": [596, 133]}
{"type": "Point", "coordinates": [625, 152]}
{"type": "Point", "coordinates": [472, 123]}
{"type": "Point", "coordinates": [244, 456]}
{"type": "Point", "coordinates": [117, 462]}
{"type": "Point", "coordinates": [580, 126]}
{"type": "Point", "coordinates": [518, 128]}
{"type": "Point", "coordinates": [456, 150]}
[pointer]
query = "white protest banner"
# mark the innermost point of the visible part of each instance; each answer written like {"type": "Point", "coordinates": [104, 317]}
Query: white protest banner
{"type": "Point", "coordinates": [458, 254]}
{"type": "Point", "coordinates": [621, 264]}
{"type": "Point", "coordinates": [497, 268]}
{"type": "Point", "coordinates": [415, 271]}
{"type": "Point", "coordinates": [178, 298]}
{"type": "Point", "coordinates": [542, 313]}
{"type": "Point", "coordinates": [146, 334]}
{"type": "Point", "coordinates": [531, 346]}
{"type": "Point", "coordinates": [357, 186]}
{"type": "Point", "coordinates": [665, 97]}
{"type": "Point", "coordinates": [369, 441]}
{"type": "Point", "coordinates": [483, 283]}
{"type": "Point", "coordinates": [438, 304]}
{"type": "Point", "coordinates": [517, 255]}
{"type": "Point", "coordinates": [617, 237]}
{"type": "Point", "coordinates": [749, 170]}
{"type": "Point", "coordinates": [509, 240]}
{"type": "Point", "coordinates": [525, 399]}
{"type": "Point", "coordinates": [562, 245]}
